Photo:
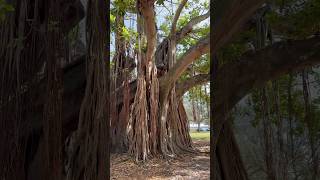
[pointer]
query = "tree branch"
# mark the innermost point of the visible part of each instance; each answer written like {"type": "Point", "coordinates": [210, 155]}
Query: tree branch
{"type": "Point", "coordinates": [183, 32]}
{"type": "Point", "coordinates": [191, 82]}
{"type": "Point", "coordinates": [228, 18]}
{"type": "Point", "coordinates": [202, 47]}
{"type": "Point", "coordinates": [234, 80]}
{"type": "Point", "coordinates": [176, 17]}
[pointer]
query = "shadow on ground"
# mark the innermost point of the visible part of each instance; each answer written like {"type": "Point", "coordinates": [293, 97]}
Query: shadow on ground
{"type": "Point", "coordinates": [187, 166]}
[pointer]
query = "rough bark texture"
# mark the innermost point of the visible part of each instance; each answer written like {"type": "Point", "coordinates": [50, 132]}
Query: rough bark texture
{"type": "Point", "coordinates": [22, 67]}
{"type": "Point", "coordinates": [88, 149]}
{"type": "Point", "coordinates": [143, 113]}
{"type": "Point", "coordinates": [53, 103]}
{"type": "Point", "coordinates": [120, 77]}
{"type": "Point", "coordinates": [231, 164]}
{"type": "Point", "coordinates": [267, 136]}
{"type": "Point", "coordinates": [309, 121]}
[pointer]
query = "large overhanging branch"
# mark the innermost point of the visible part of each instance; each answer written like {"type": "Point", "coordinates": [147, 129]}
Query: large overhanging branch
{"type": "Point", "coordinates": [202, 47]}
{"type": "Point", "coordinates": [234, 80]}
{"type": "Point", "coordinates": [228, 18]}
{"type": "Point", "coordinates": [178, 36]}
{"type": "Point", "coordinates": [188, 28]}
{"type": "Point", "coordinates": [191, 82]}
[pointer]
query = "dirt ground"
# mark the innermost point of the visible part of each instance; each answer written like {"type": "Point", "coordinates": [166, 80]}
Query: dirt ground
{"type": "Point", "coordinates": [188, 166]}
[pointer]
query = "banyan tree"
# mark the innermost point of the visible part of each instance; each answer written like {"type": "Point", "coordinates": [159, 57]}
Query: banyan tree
{"type": "Point", "coordinates": [57, 90]}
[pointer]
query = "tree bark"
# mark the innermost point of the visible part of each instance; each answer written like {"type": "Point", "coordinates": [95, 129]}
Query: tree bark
{"type": "Point", "coordinates": [88, 150]}
{"type": "Point", "coordinates": [267, 136]}
{"type": "Point", "coordinates": [230, 160]}
{"type": "Point", "coordinates": [308, 119]}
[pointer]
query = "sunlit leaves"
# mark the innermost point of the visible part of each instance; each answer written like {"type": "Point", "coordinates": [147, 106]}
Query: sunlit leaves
{"type": "Point", "coordinates": [112, 18]}
{"type": "Point", "coordinates": [160, 2]}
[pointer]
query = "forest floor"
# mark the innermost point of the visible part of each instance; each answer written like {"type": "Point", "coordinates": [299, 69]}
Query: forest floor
{"type": "Point", "coordinates": [188, 166]}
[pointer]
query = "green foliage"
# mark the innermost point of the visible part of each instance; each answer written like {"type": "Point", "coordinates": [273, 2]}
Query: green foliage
{"type": "Point", "coordinates": [297, 105]}
{"type": "Point", "coordinates": [4, 9]}
{"type": "Point", "coordinates": [199, 94]}
{"type": "Point", "coordinates": [235, 49]}
{"type": "Point", "coordinates": [299, 24]}
{"type": "Point", "coordinates": [123, 6]}
{"type": "Point", "coordinates": [112, 18]}
{"type": "Point", "coordinates": [160, 2]}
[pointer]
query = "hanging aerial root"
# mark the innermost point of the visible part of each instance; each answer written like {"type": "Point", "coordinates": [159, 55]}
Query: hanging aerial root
{"type": "Point", "coordinates": [137, 126]}
{"type": "Point", "coordinates": [154, 110]}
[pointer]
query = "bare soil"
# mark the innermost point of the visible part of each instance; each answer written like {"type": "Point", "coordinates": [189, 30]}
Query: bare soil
{"type": "Point", "coordinates": [195, 166]}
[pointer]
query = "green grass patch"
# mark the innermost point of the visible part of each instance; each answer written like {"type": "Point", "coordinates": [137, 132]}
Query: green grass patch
{"type": "Point", "coordinates": [202, 135]}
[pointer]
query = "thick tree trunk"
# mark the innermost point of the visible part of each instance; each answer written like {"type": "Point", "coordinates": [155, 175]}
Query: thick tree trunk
{"type": "Point", "coordinates": [143, 114]}
{"type": "Point", "coordinates": [228, 153]}
{"type": "Point", "coordinates": [177, 117]}
{"type": "Point", "coordinates": [53, 105]}
{"type": "Point", "coordinates": [88, 150]}
{"type": "Point", "coordinates": [22, 67]}
{"type": "Point", "coordinates": [155, 125]}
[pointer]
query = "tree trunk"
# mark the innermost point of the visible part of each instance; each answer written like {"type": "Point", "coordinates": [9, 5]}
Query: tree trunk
{"type": "Point", "coordinates": [194, 114]}
{"type": "Point", "coordinates": [53, 106]}
{"type": "Point", "coordinates": [143, 114]}
{"type": "Point", "coordinates": [120, 77]}
{"type": "Point", "coordinates": [88, 150]}
{"type": "Point", "coordinates": [308, 119]}
{"type": "Point", "coordinates": [267, 136]}
{"type": "Point", "coordinates": [23, 64]}
{"type": "Point", "coordinates": [228, 153]}
{"type": "Point", "coordinates": [282, 159]}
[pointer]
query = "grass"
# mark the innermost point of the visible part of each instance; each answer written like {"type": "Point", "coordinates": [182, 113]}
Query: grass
{"type": "Point", "coordinates": [202, 135]}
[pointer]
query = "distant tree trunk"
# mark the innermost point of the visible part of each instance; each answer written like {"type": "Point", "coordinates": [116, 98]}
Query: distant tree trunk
{"type": "Point", "coordinates": [120, 77]}
{"type": "Point", "coordinates": [282, 159]}
{"type": "Point", "coordinates": [194, 114]}
{"type": "Point", "coordinates": [267, 136]}
{"type": "Point", "coordinates": [310, 125]}
{"type": "Point", "coordinates": [291, 129]}
{"type": "Point", "coordinates": [207, 103]}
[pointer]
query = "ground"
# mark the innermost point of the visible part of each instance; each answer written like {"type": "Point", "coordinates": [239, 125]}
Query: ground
{"type": "Point", "coordinates": [188, 166]}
